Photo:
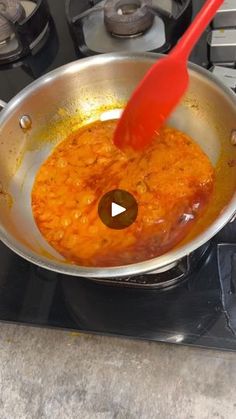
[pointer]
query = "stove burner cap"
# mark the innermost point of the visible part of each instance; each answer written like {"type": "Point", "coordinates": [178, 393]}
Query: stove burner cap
{"type": "Point", "coordinates": [10, 11]}
{"type": "Point", "coordinates": [127, 18]}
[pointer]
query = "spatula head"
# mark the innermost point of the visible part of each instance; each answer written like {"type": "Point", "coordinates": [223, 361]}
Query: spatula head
{"type": "Point", "coordinates": [152, 103]}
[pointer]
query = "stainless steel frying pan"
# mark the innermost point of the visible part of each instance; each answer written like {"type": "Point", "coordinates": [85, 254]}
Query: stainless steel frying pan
{"type": "Point", "coordinates": [41, 115]}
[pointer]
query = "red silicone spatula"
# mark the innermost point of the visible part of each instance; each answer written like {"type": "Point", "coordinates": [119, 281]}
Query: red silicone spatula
{"type": "Point", "coordinates": [162, 87]}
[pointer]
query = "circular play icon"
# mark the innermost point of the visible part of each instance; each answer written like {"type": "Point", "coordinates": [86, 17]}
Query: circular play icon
{"type": "Point", "coordinates": [118, 209]}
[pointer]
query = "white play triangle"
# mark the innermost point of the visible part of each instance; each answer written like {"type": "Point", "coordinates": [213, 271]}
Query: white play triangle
{"type": "Point", "coordinates": [116, 209]}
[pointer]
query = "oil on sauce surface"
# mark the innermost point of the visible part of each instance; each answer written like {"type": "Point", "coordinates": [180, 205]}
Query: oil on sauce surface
{"type": "Point", "coordinates": [172, 181]}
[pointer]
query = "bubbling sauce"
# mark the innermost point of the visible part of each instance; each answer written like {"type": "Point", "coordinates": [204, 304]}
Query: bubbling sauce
{"type": "Point", "coordinates": [172, 181]}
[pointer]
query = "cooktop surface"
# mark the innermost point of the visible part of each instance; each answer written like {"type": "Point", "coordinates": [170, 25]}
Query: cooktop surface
{"type": "Point", "coordinates": [199, 310]}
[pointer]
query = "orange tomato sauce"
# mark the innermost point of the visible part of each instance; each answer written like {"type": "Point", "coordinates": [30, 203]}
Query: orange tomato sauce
{"type": "Point", "coordinates": [172, 181]}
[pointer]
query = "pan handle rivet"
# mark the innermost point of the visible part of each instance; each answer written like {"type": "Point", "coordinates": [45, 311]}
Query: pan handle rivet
{"type": "Point", "coordinates": [25, 122]}
{"type": "Point", "coordinates": [233, 137]}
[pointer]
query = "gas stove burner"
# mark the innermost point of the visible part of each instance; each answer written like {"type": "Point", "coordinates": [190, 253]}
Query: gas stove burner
{"type": "Point", "coordinates": [127, 25]}
{"type": "Point", "coordinates": [24, 25]}
{"type": "Point", "coordinates": [128, 17]}
{"type": "Point", "coordinates": [165, 278]}
{"type": "Point", "coordinates": [10, 11]}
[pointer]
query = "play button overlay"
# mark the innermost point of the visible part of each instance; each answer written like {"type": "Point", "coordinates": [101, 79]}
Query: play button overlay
{"type": "Point", "coordinates": [118, 209]}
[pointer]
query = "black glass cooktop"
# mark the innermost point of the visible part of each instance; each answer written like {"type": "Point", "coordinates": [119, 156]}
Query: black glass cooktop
{"type": "Point", "coordinates": [201, 310]}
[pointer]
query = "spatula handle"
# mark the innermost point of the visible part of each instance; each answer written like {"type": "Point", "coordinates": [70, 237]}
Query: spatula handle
{"type": "Point", "coordinates": [195, 30]}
